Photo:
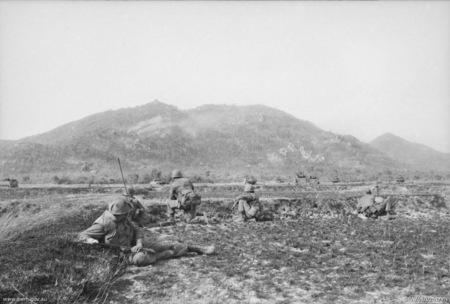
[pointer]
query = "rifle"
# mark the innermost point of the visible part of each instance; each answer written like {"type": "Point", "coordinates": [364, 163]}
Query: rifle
{"type": "Point", "coordinates": [123, 249]}
{"type": "Point", "coordinates": [123, 179]}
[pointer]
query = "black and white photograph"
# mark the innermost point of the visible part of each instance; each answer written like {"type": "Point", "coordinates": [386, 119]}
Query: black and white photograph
{"type": "Point", "coordinates": [224, 152]}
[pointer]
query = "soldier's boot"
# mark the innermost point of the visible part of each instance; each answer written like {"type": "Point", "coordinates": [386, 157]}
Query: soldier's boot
{"type": "Point", "coordinates": [179, 250]}
{"type": "Point", "coordinates": [202, 249]}
{"type": "Point", "coordinates": [239, 217]}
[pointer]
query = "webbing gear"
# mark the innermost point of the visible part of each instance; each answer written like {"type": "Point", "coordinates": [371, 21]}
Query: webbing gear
{"type": "Point", "coordinates": [188, 198]}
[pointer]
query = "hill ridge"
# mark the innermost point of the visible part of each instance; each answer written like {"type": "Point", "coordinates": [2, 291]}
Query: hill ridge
{"type": "Point", "coordinates": [228, 140]}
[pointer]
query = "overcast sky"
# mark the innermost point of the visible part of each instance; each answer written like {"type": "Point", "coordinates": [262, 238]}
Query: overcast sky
{"type": "Point", "coordinates": [351, 67]}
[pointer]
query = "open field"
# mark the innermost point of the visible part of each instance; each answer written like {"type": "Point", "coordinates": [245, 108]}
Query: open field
{"type": "Point", "coordinates": [314, 251]}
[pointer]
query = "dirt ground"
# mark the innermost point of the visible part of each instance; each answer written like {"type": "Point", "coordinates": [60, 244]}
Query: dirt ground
{"type": "Point", "coordinates": [314, 251]}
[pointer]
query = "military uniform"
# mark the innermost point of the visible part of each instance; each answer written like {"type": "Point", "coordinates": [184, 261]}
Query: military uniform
{"type": "Point", "coordinates": [182, 196]}
{"type": "Point", "coordinates": [138, 213]}
{"type": "Point", "coordinates": [249, 206]}
{"type": "Point", "coordinates": [371, 206]}
{"type": "Point", "coordinates": [114, 227]}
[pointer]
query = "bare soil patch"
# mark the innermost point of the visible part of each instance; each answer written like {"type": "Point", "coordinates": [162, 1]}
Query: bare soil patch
{"type": "Point", "coordinates": [314, 251]}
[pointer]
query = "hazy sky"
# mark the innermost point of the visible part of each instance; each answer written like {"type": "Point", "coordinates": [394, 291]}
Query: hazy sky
{"type": "Point", "coordinates": [351, 67]}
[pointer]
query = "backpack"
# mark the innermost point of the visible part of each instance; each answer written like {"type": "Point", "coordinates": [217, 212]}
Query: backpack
{"type": "Point", "coordinates": [188, 198]}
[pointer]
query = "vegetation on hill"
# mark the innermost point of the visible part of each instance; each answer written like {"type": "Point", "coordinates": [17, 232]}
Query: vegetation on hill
{"type": "Point", "coordinates": [221, 142]}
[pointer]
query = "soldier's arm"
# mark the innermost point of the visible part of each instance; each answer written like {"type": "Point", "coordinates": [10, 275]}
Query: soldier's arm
{"type": "Point", "coordinates": [139, 205]}
{"type": "Point", "coordinates": [172, 193]}
{"type": "Point", "coordinates": [95, 232]}
{"type": "Point", "coordinates": [244, 197]}
{"type": "Point", "coordinates": [258, 203]}
{"type": "Point", "coordinates": [139, 234]}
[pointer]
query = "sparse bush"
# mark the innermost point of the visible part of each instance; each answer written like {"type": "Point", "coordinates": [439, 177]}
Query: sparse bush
{"type": "Point", "coordinates": [155, 174]}
{"type": "Point", "coordinates": [201, 179]}
{"type": "Point", "coordinates": [55, 180]}
{"type": "Point", "coordinates": [82, 180]}
{"type": "Point", "coordinates": [61, 181]}
{"type": "Point", "coordinates": [103, 181]}
{"type": "Point", "coordinates": [65, 181]}
{"type": "Point", "coordinates": [133, 178]}
{"type": "Point", "coordinates": [146, 179]}
{"type": "Point", "coordinates": [26, 179]}
{"type": "Point", "coordinates": [166, 178]}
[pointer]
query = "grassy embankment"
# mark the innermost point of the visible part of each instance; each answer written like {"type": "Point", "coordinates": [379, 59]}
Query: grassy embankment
{"type": "Point", "coordinates": [39, 259]}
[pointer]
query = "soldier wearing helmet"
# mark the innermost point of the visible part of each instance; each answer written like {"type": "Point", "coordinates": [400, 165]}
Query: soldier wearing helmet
{"type": "Point", "coordinates": [114, 227]}
{"type": "Point", "coordinates": [138, 213]}
{"type": "Point", "coordinates": [182, 196]}
{"type": "Point", "coordinates": [249, 206]}
{"type": "Point", "coordinates": [372, 206]}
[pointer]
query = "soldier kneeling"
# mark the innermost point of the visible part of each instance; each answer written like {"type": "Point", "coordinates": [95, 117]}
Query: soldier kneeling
{"type": "Point", "coordinates": [370, 206]}
{"type": "Point", "coordinates": [182, 196]}
{"type": "Point", "coordinates": [248, 205]}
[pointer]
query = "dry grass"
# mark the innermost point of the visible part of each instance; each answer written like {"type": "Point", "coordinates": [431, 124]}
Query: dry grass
{"type": "Point", "coordinates": [339, 260]}
{"type": "Point", "coordinates": [39, 259]}
{"type": "Point", "coordinates": [318, 253]}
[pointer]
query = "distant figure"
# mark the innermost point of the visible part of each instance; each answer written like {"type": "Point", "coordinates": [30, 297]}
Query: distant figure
{"type": "Point", "coordinates": [249, 206]}
{"type": "Point", "coordinates": [370, 206]}
{"type": "Point", "coordinates": [400, 179]}
{"type": "Point", "coordinates": [250, 180]}
{"type": "Point", "coordinates": [182, 196]}
{"type": "Point", "coordinates": [13, 183]}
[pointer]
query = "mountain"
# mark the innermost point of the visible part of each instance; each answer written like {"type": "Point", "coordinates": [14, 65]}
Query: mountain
{"type": "Point", "coordinates": [224, 140]}
{"type": "Point", "coordinates": [4, 143]}
{"type": "Point", "coordinates": [417, 156]}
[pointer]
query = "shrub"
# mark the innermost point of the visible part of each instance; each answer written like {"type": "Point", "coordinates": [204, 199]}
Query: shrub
{"type": "Point", "coordinates": [146, 179]}
{"type": "Point", "coordinates": [82, 180]}
{"type": "Point", "coordinates": [65, 180]}
{"type": "Point", "coordinates": [133, 178]}
{"type": "Point", "coordinates": [55, 180]}
{"type": "Point", "coordinates": [155, 174]}
{"type": "Point", "coordinates": [60, 181]}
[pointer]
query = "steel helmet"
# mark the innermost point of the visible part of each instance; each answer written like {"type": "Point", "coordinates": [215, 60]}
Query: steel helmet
{"type": "Point", "coordinates": [176, 173]}
{"type": "Point", "coordinates": [249, 188]}
{"type": "Point", "coordinates": [119, 206]}
{"type": "Point", "coordinates": [368, 191]}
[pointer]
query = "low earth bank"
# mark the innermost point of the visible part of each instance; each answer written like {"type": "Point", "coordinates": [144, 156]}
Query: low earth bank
{"type": "Point", "coordinates": [314, 251]}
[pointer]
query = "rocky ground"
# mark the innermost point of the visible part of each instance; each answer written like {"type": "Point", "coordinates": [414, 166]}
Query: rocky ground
{"type": "Point", "coordinates": [314, 251]}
